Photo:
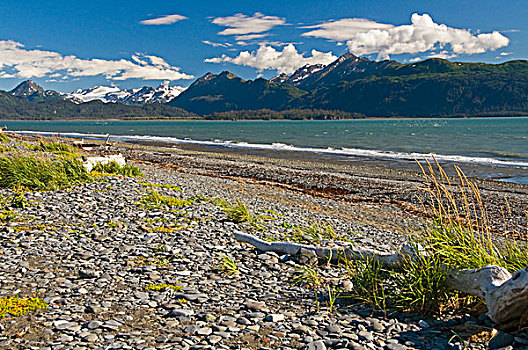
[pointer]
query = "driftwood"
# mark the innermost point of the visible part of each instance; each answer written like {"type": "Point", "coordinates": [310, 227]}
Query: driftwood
{"type": "Point", "coordinates": [91, 162]}
{"type": "Point", "coordinates": [506, 296]}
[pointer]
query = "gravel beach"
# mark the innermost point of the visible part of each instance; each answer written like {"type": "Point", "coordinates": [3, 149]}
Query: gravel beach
{"type": "Point", "coordinates": [117, 274]}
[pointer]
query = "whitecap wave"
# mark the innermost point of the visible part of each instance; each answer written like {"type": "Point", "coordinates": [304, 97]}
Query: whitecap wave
{"type": "Point", "coordinates": [353, 152]}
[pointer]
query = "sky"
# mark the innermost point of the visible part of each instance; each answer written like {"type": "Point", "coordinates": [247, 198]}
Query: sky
{"type": "Point", "coordinates": [67, 45]}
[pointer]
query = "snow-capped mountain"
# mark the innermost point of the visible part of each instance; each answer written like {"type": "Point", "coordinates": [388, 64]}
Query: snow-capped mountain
{"type": "Point", "coordinates": [162, 94]}
{"type": "Point", "coordinates": [303, 73]}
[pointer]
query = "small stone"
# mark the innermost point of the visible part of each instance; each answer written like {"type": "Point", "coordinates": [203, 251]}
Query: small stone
{"type": "Point", "coordinates": [92, 309]}
{"type": "Point", "coordinates": [365, 335]}
{"type": "Point", "coordinates": [255, 305]}
{"type": "Point", "coordinates": [204, 331]}
{"type": "Point", "coordinates": [180, 312]}
{"type": "Point", "coordinates": [423, 324]}
{"type": "Point", "coordinates": [213, 339]}
{"type": "Point", "coordinates": [316, 345]}
{"type": "Point", "coordinates": [501, 340]}
{"type": "Point", "coordinates": [395, 346]}
{"type": "Point", "coordinates": [333, 328]}
{"type": "Point", "coordinates": [275, 318]}
{"type": "Point", "coordinates": [93, 324]}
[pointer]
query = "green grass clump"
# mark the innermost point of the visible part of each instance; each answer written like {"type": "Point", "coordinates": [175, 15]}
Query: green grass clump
{"type": "Point", "coordinates": [239, 213]}
{"type": "Point", "coordinates": [40, 173]}
{"type": "Point", "coordinates": [228, 266]}
{"type": "Point", "coordinates": [163, 286]}
{"type": "Point", "coordinates": [458, 235]}
{"type": "Point", "coordinates": [155, 200]}
{"type": "Point", "coordinates": [16, 306]}
{"type": "Point", "coordinates": [54, 147]}
{"type": "Point", "coordinates": [113, 168]}
{"type": "Point", "coordinates": [166, 186]}
{"type": "Point", "coordinates": [307, 275]}
{"type": "Point", "coordinates": [4, 137]}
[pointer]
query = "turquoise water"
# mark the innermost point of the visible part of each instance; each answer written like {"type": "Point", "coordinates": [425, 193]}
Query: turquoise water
{"type": "Point", "coordinates": [492, 141]}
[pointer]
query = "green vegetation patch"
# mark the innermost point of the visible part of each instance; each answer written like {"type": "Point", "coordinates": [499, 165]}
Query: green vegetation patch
{"type": "Point", "coordinates": [4, 137]}
{"type": "Point", "coordinates": [112, 168]}
{"type": "Point", "coordinates": [54, 147]}
{"type": "Point", "coordinates": [228, 266]}
{"type": "Point", "coordinates": [41, 173]}
{"type": "Point", "coordinates": [459, 235]}
{"type": "Point", "coordinates": [163, 286]}
{"type": "Point", "coordinates": [155, 200]}
{"type": "Point", "coordinates": [167, 186]}
{"type": "Point", "coordinates": [16, 306]}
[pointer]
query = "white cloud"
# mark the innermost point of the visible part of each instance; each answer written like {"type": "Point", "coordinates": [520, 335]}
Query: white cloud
{"type": "Point", "coordinates": [344, 29]}
{"type": "Point", "coordinates": [163, 20]}
{"type": "Point", "coordinates": [243, 25]}
{"type": "Point", "coordinates": [25, 64]}
{"type": "Point", "coordinates": [366, 37]}
{"type": "Point", "coordinates": [207, 42]}
{"type": "Point", "coordinates": [250, 37]}
{"type": "Point", "coordinates": [266, 57]}
{"type": "Point", "coordinates": [505, 53]}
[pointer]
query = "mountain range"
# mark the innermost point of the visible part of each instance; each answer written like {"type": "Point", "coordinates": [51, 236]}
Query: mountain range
{"type": "Point", "coordinates": [162, 94]}
{"type": "Point", "coordinates": [351, 86]}
{"type": "Point", "coordinates": [434, 87]}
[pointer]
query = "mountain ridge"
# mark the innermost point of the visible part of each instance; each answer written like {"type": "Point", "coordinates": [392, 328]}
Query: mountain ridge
{"type": "Point", "coordinates": [433, 87]}
{"type": "Point", "coordinates": [354, 85]}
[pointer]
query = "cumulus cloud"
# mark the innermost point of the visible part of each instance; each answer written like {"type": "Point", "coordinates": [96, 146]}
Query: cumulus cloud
{"type": "Point", "coordinates": [266, 57]}
{"type": "Point", "coordinates": [366, 37]}
{"type": "Point", "coordinates": [163, 20]}
{"type": "Point", "coordinates": [243, 26]}
{"type": "Point", "coordinates": [25, 64]}
{"type": "Point", "coordinates": [344, 29]}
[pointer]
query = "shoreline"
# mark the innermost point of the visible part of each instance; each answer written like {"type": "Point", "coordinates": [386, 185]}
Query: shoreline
{"type": "Point", "coordinates": [102, 261]}
{"type": "Point", "coordinates": [478, 167]}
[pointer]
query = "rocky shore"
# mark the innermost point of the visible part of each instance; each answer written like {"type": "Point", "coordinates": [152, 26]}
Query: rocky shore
{"type": "Point", "coordinates": [117, 273]}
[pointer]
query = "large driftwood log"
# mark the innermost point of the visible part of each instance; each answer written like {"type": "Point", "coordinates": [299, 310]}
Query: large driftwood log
{"type": "Point", "coordinates": [91, 162]}
{"type": "Point", "coordinates": [506, 296]}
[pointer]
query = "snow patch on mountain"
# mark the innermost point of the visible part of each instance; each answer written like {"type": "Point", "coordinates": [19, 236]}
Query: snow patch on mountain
{"type": "Point", "coordinates": [111, 94]}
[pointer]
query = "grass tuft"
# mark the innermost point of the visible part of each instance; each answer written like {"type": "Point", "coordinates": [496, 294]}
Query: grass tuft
{"type": "Point", "coordinates": [239, 213]}
{"type": "Point", "coordinates": [54, 147]}
{"type": "Point", "coordinates": [155, 200]}
{"type": "Point", "coordinates": [458, 235]}
{"type": "Point", "coordinates": [112, 168]}
{"type": "Point", "coordinates": [16, 306]}
{"type": "Point", "coordinates": [228, 266]}
{"type": "Point", "coordinates": [163, 286]}
{"type": "Point", "coordinates": [40, 173]}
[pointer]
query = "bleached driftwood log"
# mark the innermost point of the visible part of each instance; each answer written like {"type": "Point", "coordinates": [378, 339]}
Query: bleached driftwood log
{"type": "Point", "coordinates": [91, 162]}
{"type": "Point", "coordinates": [506, 296]}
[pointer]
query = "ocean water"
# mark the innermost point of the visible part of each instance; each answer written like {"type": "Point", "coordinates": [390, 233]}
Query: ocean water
{"type": "Point", "coordinates": [498, 142]}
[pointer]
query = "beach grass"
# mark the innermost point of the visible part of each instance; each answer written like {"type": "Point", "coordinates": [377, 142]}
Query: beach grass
{"type": "Point", "coordinates": [40, 173]}
{"type": "Point", "coordinates": [458, 235]}
{"type": "Point", "coordinates": [112, 168]}
{"type": "Point", "coordinates": [155, 200]}
{"type": "Point", "coordinates": [54, 147]}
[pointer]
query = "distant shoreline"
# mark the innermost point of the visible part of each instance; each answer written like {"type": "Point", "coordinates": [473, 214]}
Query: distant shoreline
{"type": "Point", "coordinates": [263, 119]}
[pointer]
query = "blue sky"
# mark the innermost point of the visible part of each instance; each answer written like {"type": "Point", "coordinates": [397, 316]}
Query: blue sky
{"type": "Point", "coordinates": [65, 45]}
